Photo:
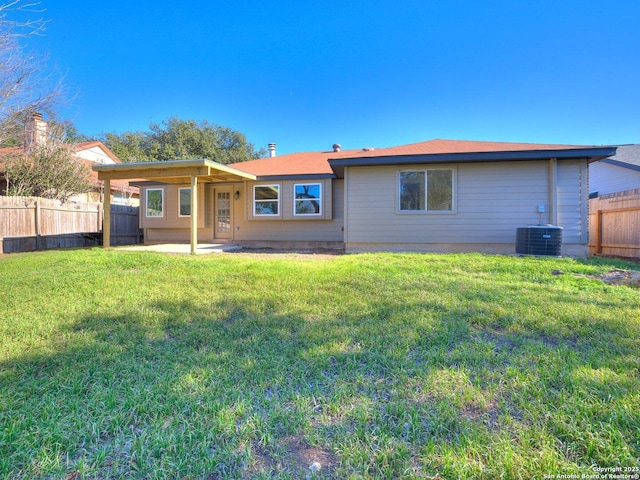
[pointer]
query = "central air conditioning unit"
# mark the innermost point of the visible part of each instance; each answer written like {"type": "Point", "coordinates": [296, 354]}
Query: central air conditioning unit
{"type": "Point", "coordinates": [539, 240]}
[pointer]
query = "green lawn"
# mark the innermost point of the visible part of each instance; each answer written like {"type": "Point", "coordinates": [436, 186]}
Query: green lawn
{"type": "Point", "coordinates": [119, 364]}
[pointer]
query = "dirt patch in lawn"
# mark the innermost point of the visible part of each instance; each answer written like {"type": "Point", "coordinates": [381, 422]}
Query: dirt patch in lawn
{"type": "Point", "coordinates": [295, 455]}
{"type": "Point", "coordinates": [630, 278]}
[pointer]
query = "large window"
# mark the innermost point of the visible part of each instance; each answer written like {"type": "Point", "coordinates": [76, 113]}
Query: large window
{"type": "Point", "coordinates": [308, 199]}
{"type": "Point", "coordinates": [184, 206]}
{"type": "Point", "coordinates": [266, 200]}
{"type": "Point", "coordinates": [155, 202]}
{"type": "Point", "coordinates": [428, 190]}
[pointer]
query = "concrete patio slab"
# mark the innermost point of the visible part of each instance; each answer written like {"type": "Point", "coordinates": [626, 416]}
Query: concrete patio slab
{"type": "Point", "coordinates": [203, 248]}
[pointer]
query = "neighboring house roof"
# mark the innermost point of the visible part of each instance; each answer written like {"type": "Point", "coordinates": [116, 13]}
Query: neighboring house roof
{"type": "Point", "coordinates": [616, 174]}
{"type": "Point", "coordinates": [96, 152]}
{"type": "Point", "coordinates": [90, 153]}
{"type": "Point", "coordinates": [4, 152]}
{"type": "Point", "coordinates": [627, 156]}
{"type": "Point", "coordinates": [433, 151]}
{"type": "Point", "coordinates": [10, 150]}
{"type": "Point", "coordinates": [116, 185]}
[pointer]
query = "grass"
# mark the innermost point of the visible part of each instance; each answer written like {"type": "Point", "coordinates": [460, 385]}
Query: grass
{"type": "Point", "coordinates": [118, 364]}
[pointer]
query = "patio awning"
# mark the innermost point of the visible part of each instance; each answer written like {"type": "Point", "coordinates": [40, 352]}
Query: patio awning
{"type": "Point", "coordinates": [190, 172]}
{"type": "Point", "coordinates": [173, 171]}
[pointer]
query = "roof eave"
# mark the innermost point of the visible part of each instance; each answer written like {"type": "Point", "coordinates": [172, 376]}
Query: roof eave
{"type": "Point", "coordinates": [618, 163]}
{"type": "Point", "coordinates": [592, 154]}
{"type": "Point", "coordinates": [97, 143]}
{"type": "Point", "coordinates": [301, 176]}
{"type": "Point", "coordinates": [186, 167]}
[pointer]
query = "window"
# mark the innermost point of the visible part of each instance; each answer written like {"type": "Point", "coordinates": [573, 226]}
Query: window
{"type": "Point", "coordinates": [184, 203]}
{"type": "Point", "coordinates": [266, 200]}
{"type": "Point", "coordinates": [428, 190]}
{"type": "Point", "coordinates": [155, 202]}
{"type": "Point", "coordinates": [308, 199]}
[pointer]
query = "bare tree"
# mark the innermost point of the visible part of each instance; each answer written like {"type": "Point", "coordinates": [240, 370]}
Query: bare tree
{"type": "Point", "coordinates": [27, 84]}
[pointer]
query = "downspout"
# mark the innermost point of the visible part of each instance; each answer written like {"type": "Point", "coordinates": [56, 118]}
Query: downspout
{"type": "Point", "coordinates": [553, 191]}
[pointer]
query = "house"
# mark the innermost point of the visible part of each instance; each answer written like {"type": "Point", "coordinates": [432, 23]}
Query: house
{"type": "Point", "coordinates": [618, 173]}
{"type": "Point", "coordinates": [91, 153]}
{"type": "Point", "coordinates": [433, 196]}
{"type": "Point", "coordinates": [614, 205]}
{"type": "Point", "coordinates": [97, 153]}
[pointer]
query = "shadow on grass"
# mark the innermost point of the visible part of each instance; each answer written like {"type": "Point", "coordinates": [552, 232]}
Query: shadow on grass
{"type": "Point", "coordinates": [228, 390]}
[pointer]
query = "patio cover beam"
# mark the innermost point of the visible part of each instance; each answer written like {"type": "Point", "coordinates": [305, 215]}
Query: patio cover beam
{"type": "Point", "coordinates": [171, 171]}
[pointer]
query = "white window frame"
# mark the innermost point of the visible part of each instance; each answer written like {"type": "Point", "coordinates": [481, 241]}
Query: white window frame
{"type": "Point", "coordinates": [278, 189]}
{"type": "Point", "coordinates": [146, 202]}
{"type": "Point", "coordinates": [426, 210]}
{"type": "Point", "coordinates": [180, 202]}
{"type": "Point", "coordinates": [296, 200]}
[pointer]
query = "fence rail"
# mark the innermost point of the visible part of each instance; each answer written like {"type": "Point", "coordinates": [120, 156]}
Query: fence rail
{"type": "Point", "coordinates": [614, 224]}
{"type": "Point", "coordinates": [31, 223]}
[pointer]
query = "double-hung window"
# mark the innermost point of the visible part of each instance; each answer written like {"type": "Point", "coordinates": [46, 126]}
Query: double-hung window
{"type": "Point", "coordinates": [308, 199]}
{"type": "Point", "coordinates": [428, 190]}
{"type": "Point", "coordinates": [266, 200]}
{"type": "Point", "coordinates": [184, 207]}
{"type": "Point", "coordinates": [154, 202]}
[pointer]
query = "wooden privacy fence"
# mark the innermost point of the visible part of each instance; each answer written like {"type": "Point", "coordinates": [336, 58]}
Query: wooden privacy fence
{"type": "Point", "coordinates": [31, 223]}
{"type": "Point", "coordinates": [125, 228]}
{"type": "Point", "coordinates": [614, 224]}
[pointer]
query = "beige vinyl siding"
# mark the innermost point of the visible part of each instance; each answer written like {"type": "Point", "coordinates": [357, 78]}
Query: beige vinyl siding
{"type": "Point", "coordinates": [286, 227]}
{"type": "Point", "coordinates": [96, 155]}
{"type": "Point", "coordinates": [491, 201]}
{"type": "Point", "coordinates": [573, 201]}
{"type": "Point", "coordinates": [286, 193]}
{"type": "Point", "coordinates": [606, 178]}
{"type": "Point", "coordinates": [170, 218]}
{"type": "Point", "coordinates": [174, 235]}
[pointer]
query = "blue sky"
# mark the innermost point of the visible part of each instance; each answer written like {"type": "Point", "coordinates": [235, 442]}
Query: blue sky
{"type": "Point", "coordinates": [373, 73]}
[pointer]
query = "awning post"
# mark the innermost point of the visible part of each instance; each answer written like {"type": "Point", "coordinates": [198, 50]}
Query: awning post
{"type": "Point", "coordinates": [194, 214]}
{"type": "Point", "coordinates": [106, 224]}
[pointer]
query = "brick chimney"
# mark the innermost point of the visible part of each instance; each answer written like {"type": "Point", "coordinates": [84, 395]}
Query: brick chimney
{"type": "Point", "coordinates": [35, 132]}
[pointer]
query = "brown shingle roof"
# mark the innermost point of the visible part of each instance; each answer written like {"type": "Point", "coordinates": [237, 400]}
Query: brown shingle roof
{"type": "Point", "coordinates": [4, 152]}
{"type": "Point", "coordinates": [304, 163]}
{"type": "Point", "coordinates": [440, 146]}
{"type": "Point", "coordinates": [314, 163]}
{"type": "Point", "coordinates": [96, 143]}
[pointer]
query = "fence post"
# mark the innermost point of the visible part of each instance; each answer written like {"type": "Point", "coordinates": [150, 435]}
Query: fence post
{"type": "Point", "coordinates": [599, 230]}
{"type": "Point", "coordinates": [38, 220]}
